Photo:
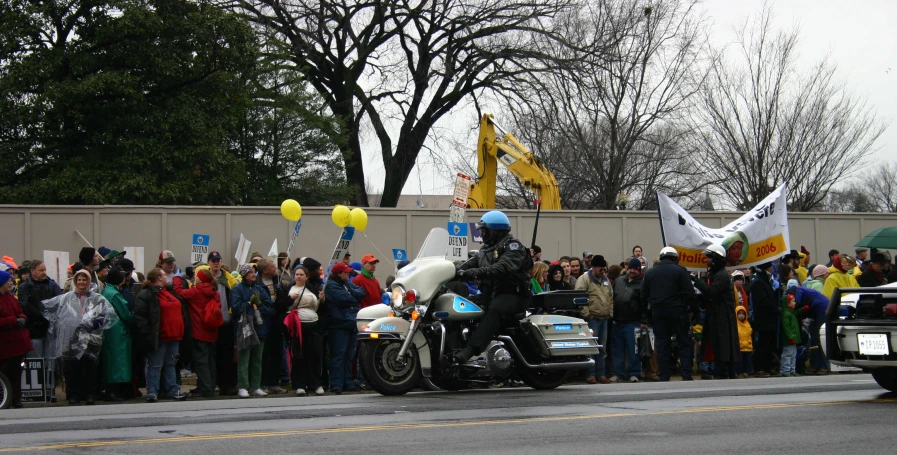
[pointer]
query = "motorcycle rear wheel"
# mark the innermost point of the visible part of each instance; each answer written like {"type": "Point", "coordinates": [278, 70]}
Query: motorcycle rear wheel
{"type": "Point", "coordinates": [544, 380]}
{"type": "Point", "coordinates": [5, 392]}
{"type": "Point", "coordinates": [384, 373]}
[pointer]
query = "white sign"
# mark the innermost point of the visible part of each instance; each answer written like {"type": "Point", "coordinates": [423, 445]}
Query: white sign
{"type": "Point", "coordinates": [759, 236]}
{"type": "Point", "coordinates": [457, 246]}
{"type": "Point", "coordinates": [462, 190]}
{"type": "Point", "coordinates": [342, 245]}
{"type": "Point", "coordinates": [57, 263]}
{"type": "Point", "coordinates": [135, 254]}
{"type": "Point", "coordinates": [200, 249]}
{"type": "Point", "coordinates": [242, 250]}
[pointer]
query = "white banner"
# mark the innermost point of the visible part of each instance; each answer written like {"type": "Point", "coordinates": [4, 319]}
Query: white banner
{"type": "Point", "coordinates": [759, 236]}
{"type": "Point", "coordinates": [242, 250]}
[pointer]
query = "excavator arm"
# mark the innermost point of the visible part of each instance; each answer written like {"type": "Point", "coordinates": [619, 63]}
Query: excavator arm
{"type": "Point", "coordinates": [532, 173]}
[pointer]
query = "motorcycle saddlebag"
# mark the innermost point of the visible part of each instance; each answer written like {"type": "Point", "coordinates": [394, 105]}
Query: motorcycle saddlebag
{"type": "Point", "coordinates": [563, 335]}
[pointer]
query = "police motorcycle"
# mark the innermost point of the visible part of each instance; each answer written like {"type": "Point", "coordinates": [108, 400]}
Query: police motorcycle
{"type": "Point", "coordinates": [413, 338]}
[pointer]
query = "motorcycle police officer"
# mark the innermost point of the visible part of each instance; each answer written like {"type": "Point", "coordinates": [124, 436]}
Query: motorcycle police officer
{"type": "Point", "coordinates": [502, 267]}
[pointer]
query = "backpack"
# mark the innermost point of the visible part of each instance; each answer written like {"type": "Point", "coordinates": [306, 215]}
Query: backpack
{"type": "Point", "coordinates": [211, 315]}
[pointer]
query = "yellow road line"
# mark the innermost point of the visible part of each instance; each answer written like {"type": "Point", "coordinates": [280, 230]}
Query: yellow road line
{"type": "Point", "coordinates": [78, 445]}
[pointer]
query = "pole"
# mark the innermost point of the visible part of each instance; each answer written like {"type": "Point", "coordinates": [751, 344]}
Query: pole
{"type": "Point", "coordinates": [536, 226]}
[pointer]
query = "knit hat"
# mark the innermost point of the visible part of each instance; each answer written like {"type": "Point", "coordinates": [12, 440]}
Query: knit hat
{"type": "Point", "coordinates": [792, 283]}
{"type": "Point", "coordinates": [402, 264]}
{"type": "Point", "coordinates": [310, 263]}
{"type": "Point", "coordinates": [356, 266]}
{"type": "Point", "coordinates": [86, 255]}
{"type": "Point", "coordinates": [11, 262]}
{"type": "Point", "coordinates": [819, 271]}
{"type": "Point", "coordinates": [765, 266]}
{"type": "Point", "coordinates": [245, 269]}
{"type": "Point", "coordinates": [804, 250]}
{"type": "Point", "coordinates": [81, 272]}
{"type": "Point", "coordinates": [104, 251]}
{"type": "Point", "coordinates": [204, 275]}
{"type": "Point", "coordinates": [634, 264]}
{"type": "Point", "coordinates": [598, 261]}
{"type": "Point", "coordinates": [126, 265]}
{"type": "Point", "coordinates": [115, 276]}
{"type": "Point", "coordinates": [4, 277]}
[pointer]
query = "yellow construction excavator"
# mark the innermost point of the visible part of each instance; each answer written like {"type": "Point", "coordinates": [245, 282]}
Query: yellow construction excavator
{"type": "Point", "coordinates": [532, 173]}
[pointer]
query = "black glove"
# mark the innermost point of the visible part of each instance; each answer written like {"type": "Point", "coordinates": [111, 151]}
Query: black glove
{"type": "Point", "coordinates": [20, 322]}
{"type": "Point", "coordinates": [467, 275]}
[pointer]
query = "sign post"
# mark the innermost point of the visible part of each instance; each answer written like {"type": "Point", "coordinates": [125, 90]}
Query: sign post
{"type": "Point", "coordinates": [200, 250]}
{"type": "Point", "coordinates": [342, 245]}
{"type": "Point", "coordinates": [295, 234]}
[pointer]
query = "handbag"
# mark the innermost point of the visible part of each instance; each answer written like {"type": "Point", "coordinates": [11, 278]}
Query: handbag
{"type": "Point", "coordinates": [246, 335]}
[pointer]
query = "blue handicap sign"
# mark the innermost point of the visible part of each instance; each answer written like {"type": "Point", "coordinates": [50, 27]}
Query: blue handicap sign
{"type": "Point", "coordinates": [201, 239]}
{"type": "Point", "coordinates": [399, 254]}
{"type": "Point", "coordinates": [457, 229]}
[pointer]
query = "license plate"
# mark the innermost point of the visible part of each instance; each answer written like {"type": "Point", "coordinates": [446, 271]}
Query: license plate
{"type": "Point", "coordinates": [873, 343]}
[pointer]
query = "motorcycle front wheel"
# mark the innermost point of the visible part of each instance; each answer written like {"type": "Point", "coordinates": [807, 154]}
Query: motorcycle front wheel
{"type": "Point", "coordinates": [384, 372]}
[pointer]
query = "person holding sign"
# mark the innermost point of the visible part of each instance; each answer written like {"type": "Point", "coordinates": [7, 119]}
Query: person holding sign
{"type": "Point", "coordinates": [502, 266]}
{"type": "Point", "coordinates": [13, 337]}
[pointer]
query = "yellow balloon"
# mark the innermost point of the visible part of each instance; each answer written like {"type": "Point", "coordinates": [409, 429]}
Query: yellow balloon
{"type": "Point", "coordinates": [341, 216]}
{"type": "Point", "coordinates": [291, 210]}
{"type": "Point", "coordinates": [358, 219]}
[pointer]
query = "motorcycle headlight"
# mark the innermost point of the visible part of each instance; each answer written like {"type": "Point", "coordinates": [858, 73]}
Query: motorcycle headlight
{"type": "Point", "coordinates": [397, 297]}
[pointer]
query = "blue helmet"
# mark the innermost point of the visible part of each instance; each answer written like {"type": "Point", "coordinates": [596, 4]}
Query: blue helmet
{"type": "Point", "coordinates": [494, 220]}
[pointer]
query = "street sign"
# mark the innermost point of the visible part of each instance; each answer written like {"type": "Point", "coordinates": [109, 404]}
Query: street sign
{"type": "Point", "coordinates": [457, 247]}
{"type": "Point", "coordinates": [399, 254]}
{"type": "Point", "coordinates": [462, 189]}
{"type": "Point", "coordinates": [200, 249]}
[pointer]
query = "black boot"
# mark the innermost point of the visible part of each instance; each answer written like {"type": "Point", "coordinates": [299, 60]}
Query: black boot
{"type": "Point", "coordinates": [465, 354]}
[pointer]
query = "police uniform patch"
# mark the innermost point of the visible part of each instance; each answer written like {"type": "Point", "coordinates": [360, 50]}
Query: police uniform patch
{"type": "Point", "coordinates": [514, 246]}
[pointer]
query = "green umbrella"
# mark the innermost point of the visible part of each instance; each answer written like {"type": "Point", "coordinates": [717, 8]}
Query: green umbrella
{"type": "Point", "coordinates": [885, 238]}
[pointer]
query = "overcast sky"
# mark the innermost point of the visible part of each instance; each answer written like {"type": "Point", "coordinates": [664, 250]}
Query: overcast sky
{"type": "Point", "coordinates": [860, 37]}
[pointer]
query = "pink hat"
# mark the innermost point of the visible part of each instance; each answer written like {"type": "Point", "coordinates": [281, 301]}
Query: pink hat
{"type": "Point", "coordinates": [819, 271]}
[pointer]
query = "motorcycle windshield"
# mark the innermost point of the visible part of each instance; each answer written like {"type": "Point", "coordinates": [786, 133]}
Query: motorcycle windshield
{"type": "Point", "coordinates": [435, 245]}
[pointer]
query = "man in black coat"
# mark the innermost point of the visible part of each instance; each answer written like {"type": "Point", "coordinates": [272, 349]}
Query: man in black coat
{"type": "Point", "coordinates": [766, 319]}
{"type": "Point", "coordinates": [721, 329]}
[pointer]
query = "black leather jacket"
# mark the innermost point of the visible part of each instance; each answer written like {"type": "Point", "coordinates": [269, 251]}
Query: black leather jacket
{"type": "Point", "coordinates": [502, 267]}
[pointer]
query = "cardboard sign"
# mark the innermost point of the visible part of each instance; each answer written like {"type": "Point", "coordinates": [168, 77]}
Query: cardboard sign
{"type": "Point", "coordinates": [457, 246]}
{"type": "Point", "coordinates": [200, 249]}
{"type": "Point", "coordinates": [759, 236]}
{"type": "Point", "coordinates": [342, 245]}
{"type": "Point", "coordinates": [57, 263]}
{"type": "Point", "coordinates": [242, 250]}
{"type": "Point", "coordinates": [37, 381]}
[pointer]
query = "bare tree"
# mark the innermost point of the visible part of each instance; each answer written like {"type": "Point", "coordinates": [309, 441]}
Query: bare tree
{"type": "Point", "coordinates": [852, 198]}
{"type": "Point", "coordinates": [611, 129]}
{"type": "Point", "coordinates": [399, 66]}
{"type": "Point", "coordinates": [764, 122]}
{"type": "Point", "coordinates": [882, 186]}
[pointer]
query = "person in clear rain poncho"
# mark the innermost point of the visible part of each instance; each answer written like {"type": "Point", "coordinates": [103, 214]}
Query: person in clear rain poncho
{"type": "Point", "coordinates": [77, 320]}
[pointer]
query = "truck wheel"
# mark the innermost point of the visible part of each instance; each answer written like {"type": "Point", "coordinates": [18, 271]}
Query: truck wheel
{"type": "Point", "coordinates": [384, 372]}
{"type": "Point", "coordinates": [886, 377]}
{"type": "Point", "coordinates": [544, 380]}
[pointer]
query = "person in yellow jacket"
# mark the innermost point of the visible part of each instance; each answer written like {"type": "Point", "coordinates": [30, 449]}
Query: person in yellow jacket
{"type": "Point", "coordinates": [745, 366]}
{"type": "Point", "coordinates": [599, 310]}
{"type": "Point", "coordinates": [800, 267]}
{"type": "Point", "coordinates": [839, 278]}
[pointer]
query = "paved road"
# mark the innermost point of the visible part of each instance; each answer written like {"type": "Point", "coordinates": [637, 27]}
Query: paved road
{"type": "Point", "coordinates": [833, 414]}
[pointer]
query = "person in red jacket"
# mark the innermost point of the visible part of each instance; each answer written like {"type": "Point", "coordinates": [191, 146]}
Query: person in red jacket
{"type": "Point", "coordinates": [366, 281]}
{"type": "Point", "coordinates": [205, 333]}
{"type": "Point", "coordinates": [13, 337]}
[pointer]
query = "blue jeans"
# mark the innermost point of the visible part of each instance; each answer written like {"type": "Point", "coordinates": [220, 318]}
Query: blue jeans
{"type": "Point", "coordinates": [161, 363]}
{"type": "Point", "coordinates": [342, 353]}
{"type": "Point", "coordinates": [789, 359]}
{"type": "Point", "coordinates": [623, 344]}
{"type": "Point", "coordinates": [669, 321]}
{"type": "Point", "coordinates": [746, 364]}
{"type": "Point", "coordinates": [599, 327]}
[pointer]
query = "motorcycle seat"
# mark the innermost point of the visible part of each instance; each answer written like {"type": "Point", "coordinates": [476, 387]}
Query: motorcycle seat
{"type": "Point", "coordinates": [520, 316]}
